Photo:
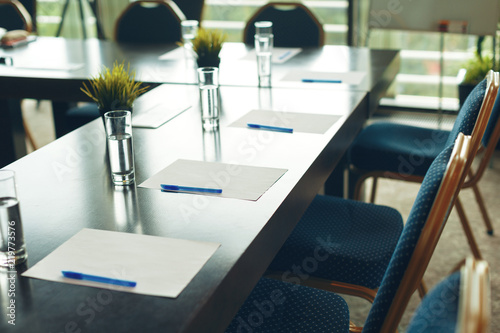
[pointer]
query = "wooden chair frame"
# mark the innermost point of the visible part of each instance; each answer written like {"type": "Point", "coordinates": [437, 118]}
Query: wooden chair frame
{"type": "Point", "coordinates": [321, 40]}
{"type": "Point", "coordinates": [474, 176]}
{"type": "Point", "coordinates": [23, 13]}
{"type": "Point", "coordinates": [474, 311]}
{"type": "Point", "coordinates": [172, 7]}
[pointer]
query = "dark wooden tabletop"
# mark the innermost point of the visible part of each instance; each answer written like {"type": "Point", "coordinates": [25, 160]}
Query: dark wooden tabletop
{"type": "Point", "coordinates": [24, 79]}
{"type": "Point", "coordinates": [65, 186]}
{"type": "Point", "coordinates": [39, 72]}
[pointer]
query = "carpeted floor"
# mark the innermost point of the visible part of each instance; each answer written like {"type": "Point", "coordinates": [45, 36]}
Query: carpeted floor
{"type": "Point", "coordinates": [452, 247]}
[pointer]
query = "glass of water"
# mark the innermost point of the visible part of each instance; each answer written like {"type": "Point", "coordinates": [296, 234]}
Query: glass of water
{"type": "Point", "coordinates": [189, 30]}
{"type": "Point", "coordinates": [208, 78]}
{"type": "Point", "coordinates": [263, 27]}
{"type": "Point", "coordinates": [12, 248]}
{"type": "Point", "coordinates": [120, 147]}
{"type": "Point", "coordinates": [264, 41]}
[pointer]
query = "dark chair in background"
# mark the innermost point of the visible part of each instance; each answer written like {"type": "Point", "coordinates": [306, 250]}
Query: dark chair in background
{"type": "Point", "coordinates": [192, 9]}
{"type": "Point", "coordinates": [149, 21]}
{"type": "Point", "coordinates": [30, 6]}
{"type": "Point", "coordinates": [294, 25]}
{"type": "Point", "coordinates": [14, 16]}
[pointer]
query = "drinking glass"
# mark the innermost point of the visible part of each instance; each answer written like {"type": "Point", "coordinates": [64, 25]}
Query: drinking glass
{"type": "Point", "coordinates": [189, 30]}
{"type": "Point", "coordinates": [264, 40]}
{"type": "Point", "coordinates": [12, 248]}
{"type": "Point", "coordinates": [208, 78]}
{"type": "Point", "coordinates": [120, 147]}
{"type": "Point", "coordinates": [263, 27]}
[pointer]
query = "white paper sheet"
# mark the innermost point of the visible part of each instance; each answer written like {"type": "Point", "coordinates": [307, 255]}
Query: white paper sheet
{"type": "Point", "coordinates": [236, 181]}
{"type": "Point", "coordinates": [299, 122]}
{"type": "Point", "coordinates": [157, 115]}
{"type": "Point", "coordinates": [175, 54]}
{"type": "Point", "coordinates": [351, 78]}
{"type": "Point", "coordinates": [280, 54]}
{"type": "Point", "coordinates": [160, 266]}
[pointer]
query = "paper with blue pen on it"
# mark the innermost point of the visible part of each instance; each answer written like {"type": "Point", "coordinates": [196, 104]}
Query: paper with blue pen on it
{"type": "Point", "coordinates": [300, 122]}
{"type": "Point", "coordinates": [236, 181]}
{"type": "Point", "coordinates": [325, 78]}
{"type": "Point", "coordinates": [122, 256]}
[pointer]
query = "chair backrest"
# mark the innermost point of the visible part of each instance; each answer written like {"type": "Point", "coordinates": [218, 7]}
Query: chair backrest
{"type": "Point", "coordinates": [420, 235]}
{"type": "Point", "coordinates": [458, 304]}
{"type": "Point", "coordinates": [476, 109]}
{"type": "Point", "coordinates": [192, 9]}
{"type": "Point", "coordinates": [149, 21]}
{"type": "Point", "coordinates": [294, 25]}
{"type": "Point", "coordinates": [486, 130]}
{"type": "Point", "coordinates": [489, 142]}
{"type": "Point", "coordinates": [14, 16]}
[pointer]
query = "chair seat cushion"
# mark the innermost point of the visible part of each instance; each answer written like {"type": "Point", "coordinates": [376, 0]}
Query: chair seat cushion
{"type": "Point", "coordinates": [404, 149]}
{"type": "Point", "coordinates": [341, 240]}
{"type": "Point", "coordinates": [438, 312]}
{"type": "Point", "coordinates": [275, 306]}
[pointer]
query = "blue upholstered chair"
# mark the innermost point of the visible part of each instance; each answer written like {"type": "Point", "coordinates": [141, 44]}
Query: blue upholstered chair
{"type": "Point", "coordinates": [403, 152]}
{"type": "Point", "coordinates": [420, 235]}
{"type": "Point", "coordinates": [279, 307]}
{"type": "Point", "coordinates": [459, 303]}
{"type": "Point", "coordinates": [408, 261]}
{"type": "Point", "coordinates": [294, 25]}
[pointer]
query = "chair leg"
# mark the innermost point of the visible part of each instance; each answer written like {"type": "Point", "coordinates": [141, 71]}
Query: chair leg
{"type": "Point", "coordinates": [374, 190]}
{"type": "Point", "coordinates": [358, 188]}
{"type": "Point", "coordinates": [422, 289]}
{"type": "Point", "coordinates": [482, 208]}
{"type": "Point", "coordinates": [467, 229]}
{"type": "Point", "coordinates": [29, 136]}
{"type": "Point", "coordinates": [346, 183]}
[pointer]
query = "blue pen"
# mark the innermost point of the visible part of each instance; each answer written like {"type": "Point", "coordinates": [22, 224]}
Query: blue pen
{"type": "Point", "coordinates": [320, 81]}
{"type": "Point", "coordinates": [271, 128]}
{"type": "Point", "coordinates": [284, 55]}
{"type": "Point", "coordinates": [95, 278]}
{"type": "Point", "coordinates": [165, 187]}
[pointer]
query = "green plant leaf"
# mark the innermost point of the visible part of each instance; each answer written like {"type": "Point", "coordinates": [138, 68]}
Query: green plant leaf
{"type": "Point", "coordinates": [114, 88]}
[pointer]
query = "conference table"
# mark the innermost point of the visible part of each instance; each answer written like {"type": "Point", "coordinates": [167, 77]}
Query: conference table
{"type": "Point", "coordinates": [65, 186]}
{"type": "Point", "coordinates": [54, 69]}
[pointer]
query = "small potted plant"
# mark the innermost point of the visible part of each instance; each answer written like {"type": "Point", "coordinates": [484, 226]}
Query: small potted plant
{"type": "Point", "coordinates": [207, 46]}
{"type": "Point", "coordinates": [474, 71]}
{"type": "Point", "coordinates": [114, 89]}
